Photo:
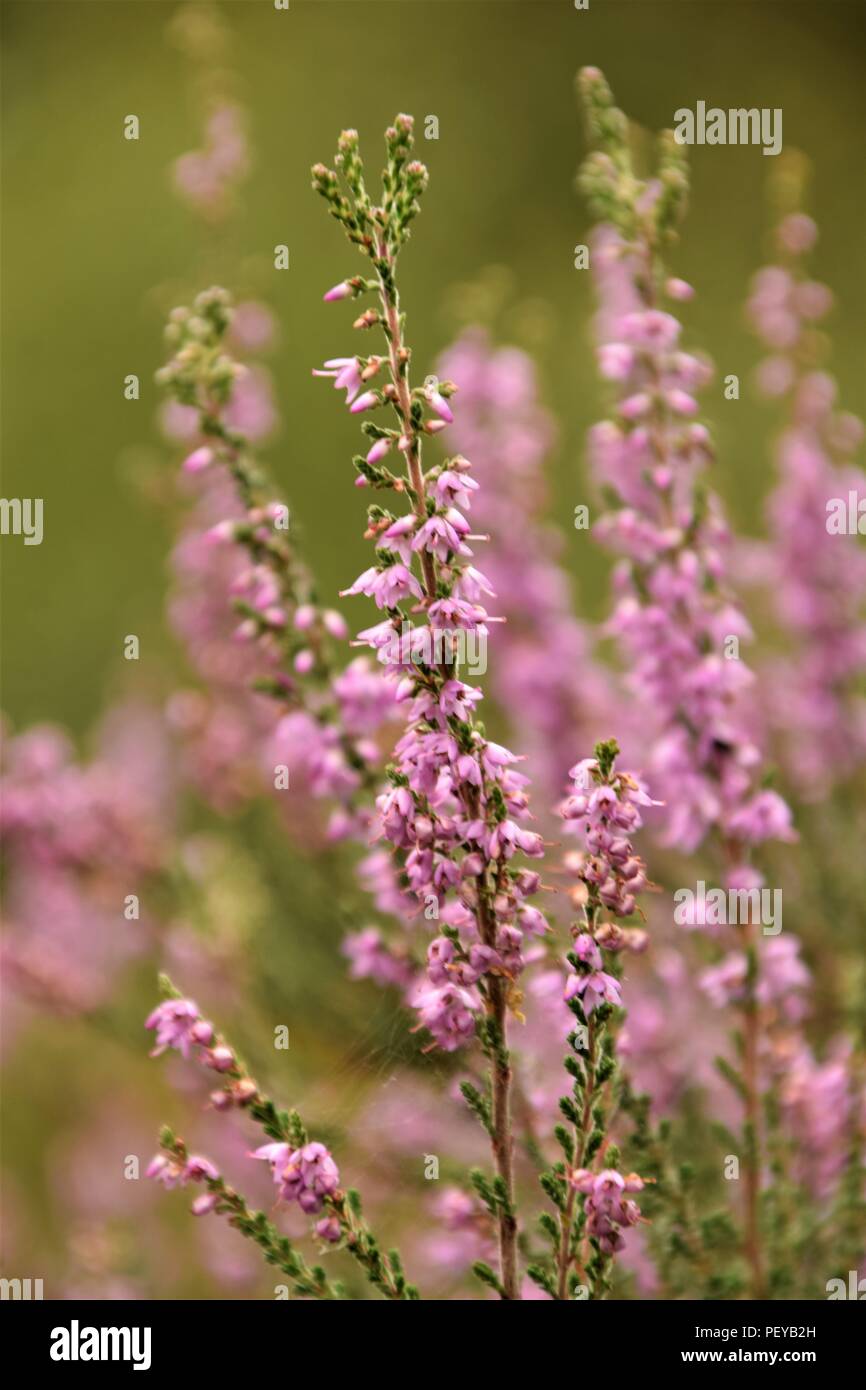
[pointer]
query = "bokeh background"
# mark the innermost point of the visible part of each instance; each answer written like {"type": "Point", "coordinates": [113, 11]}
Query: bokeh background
{"type": "Point", "coordinates": [96, 247]}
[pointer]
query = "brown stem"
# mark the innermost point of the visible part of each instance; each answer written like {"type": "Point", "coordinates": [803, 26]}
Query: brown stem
{"type": "Point", "coordinates": [502, 1140]}
{"type": "Point", "coordinates": [753, 1120]}
{"type": "Point", "coordinates": [400, 378]}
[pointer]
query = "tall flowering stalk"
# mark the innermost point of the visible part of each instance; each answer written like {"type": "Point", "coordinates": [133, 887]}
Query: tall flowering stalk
{"type": "Point", "coordinates": [675, 615]}
{"type": "Point", "coordinates": [303, 1172]}
{"type": "Point", "coordinates": [591, 1196]}
{"type": "Point", "coordinates": [456, 808]}
{"type": "Point", "coordinates": [288, 635]}
{"type": "Point", "coordinates": [815, 568]}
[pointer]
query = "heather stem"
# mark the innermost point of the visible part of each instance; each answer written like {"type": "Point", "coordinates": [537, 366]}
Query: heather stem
{"type": "Point", "coordinates": [399, 361]}
{"type": "Point", "coordinates": [752, 1103]}
{"type": "Point", "coordinates": [581, 1133]}
{"type": "Point", "coordinates": [502, 1141]}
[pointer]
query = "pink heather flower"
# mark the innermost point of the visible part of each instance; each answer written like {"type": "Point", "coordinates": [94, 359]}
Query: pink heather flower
{"type": "Point", "coordinates": [223, 531]}
{"type": "Point", "coordinates": [797, 233]}
{"type": "Point", "coordinates": [606, 1204]}
{"type": "Point", "coordinates": [335, 624]}
{"type": "Point", "coordinates": [388, 587]}
{"type": "Point", "coordinates": [204, 1203]}
{"type": "Point", "coordinates": [448, 1013]}
{"type": "Point", "coordinates": [346, 372]}
{"type": "Point", "coordinates": [304, 1175]}
{"type": "Point", "coordinates": [276, 1154]}
{"type": "Point", "coordinates": [592, 989]}
{"type": "Point", "coordinates": [253, 327]}
{"type": "Point", "coordinates": [197, 1168]}
{"type": "Point", "coordinates": [171, 1173]}
{"type": "Point", "coordinates": [371, 958]}
{"type": "Point", "coordinates": [198, 460]}
{"type": "Point", "coordinates": [782, 984]}
{"type": "Point", "coordinates": [305, 617]}
{"type": "Point", "coordinates": [453, 489]}
{"type": "Point", "coordinates": [765, 817]}
{"type": "Point", "coordinates": [366, 401]}
{"type": "Point", "coordinates": [379, 449]}
{"type": "Point", "coordinates": [439, 537]}
{"type": "Point", "coordinates": [220, 1058]}
{"type": "Point", "coordinates": [679, 289]}
{"type": "Point", "coordinates": [438, 403]}
{"type": "Point", "coordinates": [164, 1170]}
{"type": "Point", "coordinates": [615, 361]}
{"type": "Point", "coordinates": [328, 1229]}
{"type": "Point", "coordinates": [817, 1105]}
{"type": "Point", "coordinates": [604, 815]}
{"type": "Point", "coordinates": [174, 1021]}
{"type": "Point", "coordinates": [341, 291]}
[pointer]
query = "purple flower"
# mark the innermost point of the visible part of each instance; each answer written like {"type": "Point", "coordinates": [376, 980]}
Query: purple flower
{"type": "Point", "coordinates": [175, 1021]}
{"type": "Point", "coordinates": [346, 372]}
{"type": "Point", "coordinates": [593, 989]}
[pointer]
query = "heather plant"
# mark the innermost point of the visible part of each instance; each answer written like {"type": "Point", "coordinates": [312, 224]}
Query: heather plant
{"type": "Point", "coordinates": [303, 1171]}
{"type": "Point", "coordinates": [451, 810]}
{"type": "Point", "coordinates": [587, 1189]}
{"type": "Point", "coordinates": [454, 807]}
{"type": "Point", "coordinates": [623, 1102]}
{"type": "Point", "coordinates": [680, 626]}
{"type": "Point", "coordinates": [289, 637]}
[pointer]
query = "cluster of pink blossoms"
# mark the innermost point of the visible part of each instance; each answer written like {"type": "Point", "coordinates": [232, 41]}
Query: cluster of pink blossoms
{"type": "Point", "coordinates": [606, 1205]}
{"type": "Point", "coordinates": [172, 1173]}
{"type": "Point", "coordinates": [178, 1025]}
{"type": "Point", "coordinates": [673, 613]}
{"type": "Point", "coordinates": [457, 806]}
{"type": "Point", "coordinates": [782, 981]}
{"type": "Point", "coordinates": [816, 573]}
{"type": "Point", "coordinates": [608, 875]}
{"type": "Point", "coordinates": [605, 811]}
{"type": "Point", "coordinates": [306, 1175]}
{"type": "Point", "coordinates": [79, 837]}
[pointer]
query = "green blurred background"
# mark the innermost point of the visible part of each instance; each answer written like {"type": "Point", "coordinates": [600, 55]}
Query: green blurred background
{"type": "Point", "coordinates": [96, 248]}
